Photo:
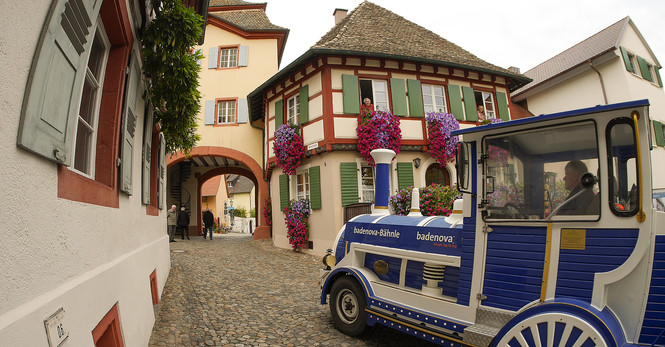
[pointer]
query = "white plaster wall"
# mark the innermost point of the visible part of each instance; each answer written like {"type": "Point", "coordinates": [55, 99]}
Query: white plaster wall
{"type": "Point", "coordinates": [411, 129]}
{"type": "Point", "coordinates": [313, 132]}
{"type": "Point", "coordinates": [60, 253]}
{"type": "Point", "coordinates": [345, 128]}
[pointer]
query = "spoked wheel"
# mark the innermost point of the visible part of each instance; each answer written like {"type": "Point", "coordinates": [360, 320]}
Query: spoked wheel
{"type": "Point", "coordinates": [552, 329]}
{"type": "Point", "coordinates": [347, 306]}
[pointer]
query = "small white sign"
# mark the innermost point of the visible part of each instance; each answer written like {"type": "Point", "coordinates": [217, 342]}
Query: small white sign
{"type": "Point", "coordinates": [55, 329]}
{"type": "Point", "coordinates": [312, 146]}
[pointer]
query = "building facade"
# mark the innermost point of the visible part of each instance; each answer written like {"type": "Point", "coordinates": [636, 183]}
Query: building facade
{"type": "Point", "coordinates": [614, 65]}
{"type": "Point", "coordinates": [401, 67]}
{"type": "Point", "coordinates": [242, 49]}
{"type": "Point", "coordinates": [85, 253]}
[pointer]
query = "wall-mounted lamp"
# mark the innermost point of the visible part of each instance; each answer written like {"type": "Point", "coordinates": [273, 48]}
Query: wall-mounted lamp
{"type": "Point", "coordinates": [416, 162]}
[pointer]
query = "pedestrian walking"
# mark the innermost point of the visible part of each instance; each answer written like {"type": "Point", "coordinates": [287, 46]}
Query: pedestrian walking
{"type": "Point", "coordinates": [208, 223]}
{"type": "Point", "coordinates": [171, 222]}
{"type": "Point", "coordinates": [183, 222]}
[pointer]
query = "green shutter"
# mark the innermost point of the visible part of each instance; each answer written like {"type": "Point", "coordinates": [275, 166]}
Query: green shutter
{"type": "Point", "coordinates": [304, 104]}
{"type": "Point", "coordinates": [404, 175]}
{"type": "Point", "coordinates": [315, 187]}
{"type": "Point", "coordinates": [283, 192]}
{"type": "Point", "coordinates": [147, 157]}
{"type": "Point", "coordinates": [53, 90]}
{"type": "Point", "coordinates": [470, 104]}
{"type": "Point", "coordinates": [416, 108]}
{"type": "Point", "coordinates": [351, 94]}
{"type": "Point", "coordinates": [626, 59]}
{"type": "Point", "coordinates": [660, 81]}
{"type": "Point", "coordinates": [279, 113]}
{"type": "Point", "coordinates": [456, 101]}
{"type": "Point", "coordinates": [349, 179]}
{"type": "Point", "coordinates": [129, 118]}
{"type": "Point", "coordinates": [398, 95]}
{"type": "Point", "coordinates": [660, 136]}
{"type": "Point", "coordinates": [502, 103]}
{"type": "Point", "coordinates": [644, 69]}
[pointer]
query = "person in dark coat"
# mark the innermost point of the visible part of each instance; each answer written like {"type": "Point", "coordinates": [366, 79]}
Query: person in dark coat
{"type": "Point", "coordinates": [183, 222]}
{"type": "Point", "coordinates": [208, 222]}
{"type": "Point", "coordinates": [584, 203]}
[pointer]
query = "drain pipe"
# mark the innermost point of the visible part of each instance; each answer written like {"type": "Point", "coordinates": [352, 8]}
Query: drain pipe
{"type": "Point", "coordinates": [600, 77]}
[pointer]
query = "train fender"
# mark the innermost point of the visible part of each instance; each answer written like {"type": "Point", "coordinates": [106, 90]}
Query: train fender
{"type": "Point", "coordinates": [346, 271]}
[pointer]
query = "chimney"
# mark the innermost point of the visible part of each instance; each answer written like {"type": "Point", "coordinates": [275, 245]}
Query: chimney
{"type": "Point", "coordinates": [339, 14]}
{"type": "Point", "coordinates": [514, 69]}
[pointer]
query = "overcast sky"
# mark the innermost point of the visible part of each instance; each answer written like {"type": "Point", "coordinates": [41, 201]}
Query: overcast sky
{"type": "Point", "coordinates": [521, 33]}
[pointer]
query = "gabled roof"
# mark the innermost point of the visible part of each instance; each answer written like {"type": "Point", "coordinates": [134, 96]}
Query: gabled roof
{"type": "Point", "coordinates": [210, 187]}
{"type": "Point", "coordinates": [371, 30]}
{"type": "Point", "coordinates": [247, 20]}
{"type": "Point", "coordinates": [239, 184]}
{"type": "Point", "coordinates": [604, 41]}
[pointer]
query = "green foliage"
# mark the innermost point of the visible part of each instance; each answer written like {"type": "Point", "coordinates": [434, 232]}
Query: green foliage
{"type": "Point", "coordinates": [172, 72]}
{"type": "Point", "coordinates": [252, 213]}
{"type": "Point", "coordinates": [240, 212]}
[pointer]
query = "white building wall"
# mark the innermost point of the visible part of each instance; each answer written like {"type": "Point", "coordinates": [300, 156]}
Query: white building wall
{"type": "Point", "coordinates": [57, 253]}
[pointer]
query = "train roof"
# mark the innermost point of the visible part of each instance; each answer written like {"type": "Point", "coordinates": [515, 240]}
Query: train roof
{"type": "Point", "coordinates": [542, 117]}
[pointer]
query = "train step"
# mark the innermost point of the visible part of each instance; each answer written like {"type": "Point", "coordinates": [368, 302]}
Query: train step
{"type": "Point", "coordinates": [488, 323]}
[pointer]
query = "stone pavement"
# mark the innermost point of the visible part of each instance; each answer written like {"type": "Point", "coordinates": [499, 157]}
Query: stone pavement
{"type": "Point", "coordinates": [233, 291]}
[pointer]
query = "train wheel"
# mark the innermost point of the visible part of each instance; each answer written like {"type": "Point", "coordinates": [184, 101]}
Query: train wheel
{"type": "Point", "coordinates": [553, 329]}
{"type": "Point", "coordinates": [347, 306]}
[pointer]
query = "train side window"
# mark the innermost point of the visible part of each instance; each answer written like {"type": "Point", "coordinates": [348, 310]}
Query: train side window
{"type": "Point", "coordinates": [622, 167]}
{"type": "Point", "coordinates": [462, 164]}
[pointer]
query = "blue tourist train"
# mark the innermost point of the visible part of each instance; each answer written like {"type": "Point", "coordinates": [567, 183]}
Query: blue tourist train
{"type": "Point", "coordinates": [555, 242]}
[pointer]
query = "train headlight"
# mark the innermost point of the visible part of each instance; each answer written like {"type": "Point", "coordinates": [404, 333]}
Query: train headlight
{"type": "Point", "coordinates": [329, 259]}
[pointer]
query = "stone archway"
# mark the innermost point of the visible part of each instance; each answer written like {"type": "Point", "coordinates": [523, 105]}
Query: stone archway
{"type": "Point", "coordinates": [224, 160]}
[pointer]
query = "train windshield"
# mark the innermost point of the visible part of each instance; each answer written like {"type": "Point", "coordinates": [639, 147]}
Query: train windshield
{"type": "Point", "coordinates": [537, 174]}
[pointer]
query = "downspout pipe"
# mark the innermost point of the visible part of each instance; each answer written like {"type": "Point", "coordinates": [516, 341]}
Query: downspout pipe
{"type": "Point", "coordinates": [600, 78]}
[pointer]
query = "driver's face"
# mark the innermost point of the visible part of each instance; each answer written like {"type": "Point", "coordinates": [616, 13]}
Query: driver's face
{"type": "Point", "coordinates": [571, 179]}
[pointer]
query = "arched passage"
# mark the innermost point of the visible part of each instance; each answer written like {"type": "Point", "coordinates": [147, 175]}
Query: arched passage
{"type": "Point", "coordinates": [219, 161]}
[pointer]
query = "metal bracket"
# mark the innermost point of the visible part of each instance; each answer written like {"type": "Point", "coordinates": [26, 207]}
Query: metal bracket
{"type": "Point", "coordinates": [482, 158]}
{"type": "Point", "coordinates": [487, 229]}
{"type": "Point", "coordinates": [481, 296]}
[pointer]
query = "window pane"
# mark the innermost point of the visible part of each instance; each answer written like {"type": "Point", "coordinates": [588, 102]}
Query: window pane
{"type": "Point", "coordinates": [623, 169]}
{"type": "Point", "coordinates": [83, 148]}
{"type": "Point", "coordinates": [534, 174]}
{"type": "Point", "coordinates": [97, 55]}
{"type": "Point", "coordinates": [87, 108]}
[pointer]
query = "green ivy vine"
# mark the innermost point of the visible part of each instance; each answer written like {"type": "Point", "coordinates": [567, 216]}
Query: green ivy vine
{"type": "Point", "coordinates": [172, 71]}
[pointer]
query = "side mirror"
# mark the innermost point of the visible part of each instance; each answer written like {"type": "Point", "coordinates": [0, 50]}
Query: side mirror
{"type": "Point", "coordinates": [588, 180]}
{"type": "Point", "coordinates": [462, 165]}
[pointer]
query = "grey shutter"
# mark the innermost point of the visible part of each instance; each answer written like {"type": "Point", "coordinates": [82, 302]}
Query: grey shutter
{"type": "Point", "coordinates": [161, 183]}
{"type": "Point", "coordinates": [350, 94]}
{"type": "Point", "coordinates": [209, 112]}
{"type": "Point", "coordinates": [212, 58]}
{"type": "Point", "coordinates": [349, 181]}
{"type": "Point", "coordinates": [129, 117]}
{"type": "Point", "coordinates": [404, 175]}
{"type": "Point", "coordinates": [626, 59]}
{"type": "Point", "coordinates": [147, 157]}
{"type": "Point", "coordinates": [53, 91]}
{"type": "Point", "coordinates": [415, 89]}
{"type": "Point", "coordinates": [398, 95]}
{"type": "Point", "coordinates": [242, 110]}
{"type": "Point", "coordinates": [304, 104]}
{"type": "Point", "coordinates": [470, 104]}
{"type": "Point", "coordinates": [243, 55]}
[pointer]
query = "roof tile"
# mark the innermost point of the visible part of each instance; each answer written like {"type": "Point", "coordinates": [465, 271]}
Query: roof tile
{"type": "Point", "coordinates": [248, 20]}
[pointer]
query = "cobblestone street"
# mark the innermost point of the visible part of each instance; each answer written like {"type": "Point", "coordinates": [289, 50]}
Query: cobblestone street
{"type": "Point", "coordinates": [232, 291]}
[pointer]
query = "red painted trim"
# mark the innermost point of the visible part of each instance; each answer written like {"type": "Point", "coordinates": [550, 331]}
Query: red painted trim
{"type": "Point", "coordinates": [327, 103]}
{"type": "Point", "coordinates": [153, 287]}
{"type": "Point", "coordinates": [103, 190]}
{"type": "Point", "coordinates": [107, 333]}
{"type": "Point", "coordinates": [254, 173]}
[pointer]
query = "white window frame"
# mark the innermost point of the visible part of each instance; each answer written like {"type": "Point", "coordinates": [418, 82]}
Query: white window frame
{"type": "Point", "coordinates": [227, 117]}
{"type": "Point", "coordinates": [434, 106]}
{"type": "Point", "coordinates": [383, 106]}
{"type": "Point", "coordinates": [293, 110]}
{"type": "Point", "coordinates": [228, 57]}
{"type": "Point", "coordinates": [652, 71]}
{"type": "Point", "coordinates": [632, 58]}
{"type": "Point", "coordinates": [96, 101]}
{"type": "Point", "coordinates": [294, 184]}
{"type": "Point", "coordinates": [361, 187]}
{"type": "Point", "coordinates": [489, 114]}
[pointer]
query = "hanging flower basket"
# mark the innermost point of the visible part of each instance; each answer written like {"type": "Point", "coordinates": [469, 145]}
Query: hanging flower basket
{"type": "Point", "coordinates": [380, 130]}
{"type": "Point", "coordinates": [267, 212]}
{"type": "Point", "coordinates": [288, 148]}
{"type": "Point", "coordinates": [442, 145]}
{"type": "Point", "coordinates": [297, 223]}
